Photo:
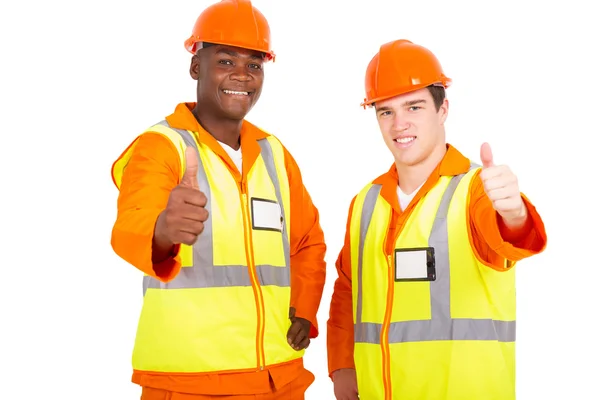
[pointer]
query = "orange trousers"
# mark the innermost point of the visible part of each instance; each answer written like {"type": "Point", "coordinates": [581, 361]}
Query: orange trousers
{"type": "Point", "coordinates": [292, 391]}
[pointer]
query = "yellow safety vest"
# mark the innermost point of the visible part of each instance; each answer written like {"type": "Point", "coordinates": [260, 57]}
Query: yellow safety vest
{"type": "Point", "coordinates": [228, 308]}
{"type": "Point", "coordinates": [451, 338]}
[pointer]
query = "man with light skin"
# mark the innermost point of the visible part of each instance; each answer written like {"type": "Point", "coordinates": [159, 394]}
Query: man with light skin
{"type": "Point", "coordinates": [424, 304]}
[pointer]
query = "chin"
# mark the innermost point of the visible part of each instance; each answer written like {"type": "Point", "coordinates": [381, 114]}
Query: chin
{"type": "Point", "coordinates": [236, 113]}
{"type": "Point", "coordinates": [406, 158]}
{"type": "Point", "coordinates": [236, 109]}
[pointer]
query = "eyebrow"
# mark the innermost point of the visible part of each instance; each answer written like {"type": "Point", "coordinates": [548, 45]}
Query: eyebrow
{"type": "Point", "coordinates": [236, 54]}
{"type": "Point", "coordinates": [413, 102]}
{"type": "Point", "coordinates": [408, 103]}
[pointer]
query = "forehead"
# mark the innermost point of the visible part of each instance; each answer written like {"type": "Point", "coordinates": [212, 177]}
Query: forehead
{"type": "Point", "coordinates": [236, 51]}
{"type": "Point", "coordinates": [400, 100]}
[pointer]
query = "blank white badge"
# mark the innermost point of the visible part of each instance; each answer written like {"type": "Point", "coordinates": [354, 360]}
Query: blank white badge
{"type": "Point", "coordinates": [411, 264]}
{"type": "Point", "coordinates": [266, 215]}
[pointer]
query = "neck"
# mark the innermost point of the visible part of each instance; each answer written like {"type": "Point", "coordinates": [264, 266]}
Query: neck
{"type": "Point", "coordinates": [224, 130]}
{"type": "Point", "coordinates": [410, 177]}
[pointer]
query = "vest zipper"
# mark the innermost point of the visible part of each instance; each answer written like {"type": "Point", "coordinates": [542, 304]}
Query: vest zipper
{"type": "Point", "coordinates": [385, 346]}
{"type": "Point", "coordinates": [260, 307]}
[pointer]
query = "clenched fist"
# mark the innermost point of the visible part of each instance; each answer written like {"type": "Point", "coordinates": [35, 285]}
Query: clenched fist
{"type": "Point", "coordinates": [182, 221]}
{"type": "Point", "coordinates": [298, 334]}
{"type": "Point", "coordinates": [501, 186]}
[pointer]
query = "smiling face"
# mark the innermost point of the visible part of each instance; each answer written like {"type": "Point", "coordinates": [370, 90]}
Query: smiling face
{"type": "Point", "coordinates": [230, 80]}
{"type": "Point", "coordinates": [412, 127]}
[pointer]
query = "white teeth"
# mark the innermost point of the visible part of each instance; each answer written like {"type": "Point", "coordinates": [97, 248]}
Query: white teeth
{"type": "Point", "coordinates": [405, 139]}
{"type": "Point", "coordinates": [235, 92]}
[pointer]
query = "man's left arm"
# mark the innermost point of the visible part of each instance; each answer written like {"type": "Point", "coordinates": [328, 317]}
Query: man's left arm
{"type": "Point", "coordinates": [505, 225]}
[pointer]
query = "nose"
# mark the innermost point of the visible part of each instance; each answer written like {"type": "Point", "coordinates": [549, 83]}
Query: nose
{"type": "Point", "coordinates": [400, 123]}
{"type": "Point", "coordinates": [240, 73]}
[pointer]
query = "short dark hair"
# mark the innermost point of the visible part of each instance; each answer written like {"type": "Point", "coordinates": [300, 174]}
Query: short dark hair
{"type": "Point", "coordinates": [439, 94]}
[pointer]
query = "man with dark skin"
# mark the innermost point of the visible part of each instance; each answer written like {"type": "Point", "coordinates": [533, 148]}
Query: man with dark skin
{"type": "Point", "coordinates": [221, 114]}
{"type": "Point", "coordinates": [214, 212]}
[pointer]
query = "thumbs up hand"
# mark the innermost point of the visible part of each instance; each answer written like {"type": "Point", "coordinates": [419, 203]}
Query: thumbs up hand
{"type": "Point", "coordinates": [190, 178]}
{"type": "Point", "coordinates": [183, 218]}
{"type": "Point", "coordinates": [502, 188]}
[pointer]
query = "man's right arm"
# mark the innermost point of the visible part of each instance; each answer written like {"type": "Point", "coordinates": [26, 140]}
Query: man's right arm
{"type": "Point", "coordinates": [340, 326]}
{"type": "Point", "coordinates": [148, 178]}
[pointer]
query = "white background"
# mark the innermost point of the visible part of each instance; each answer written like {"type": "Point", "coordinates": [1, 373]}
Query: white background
{"type": "Point", "coordinates": [80, 80]}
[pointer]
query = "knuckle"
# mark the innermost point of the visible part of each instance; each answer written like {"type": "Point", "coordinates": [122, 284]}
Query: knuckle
{"type": "Point", "coordinates": [199, 197]}
{"type": "Point", "coordinates": [202, 196]}
{"type": "Point", "coordinates": [203, 214]}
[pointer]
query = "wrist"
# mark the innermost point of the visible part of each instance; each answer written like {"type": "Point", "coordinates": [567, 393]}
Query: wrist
{"type": "Point", "coordinates": [334, 374]}
{"type": "Point", "coordinates": [516, 220]}
{"type": "Point", "coordinates": [162, 246]}
{"type": "Point", "coordinates": [337, 371]}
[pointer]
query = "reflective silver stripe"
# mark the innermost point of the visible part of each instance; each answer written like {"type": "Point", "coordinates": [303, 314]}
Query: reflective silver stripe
{"type": "Point", "coordinates": [221, 276]}
{"type": "Point", "coordinates": [365, 220]}
{"type": "Point", "coordinates": [267, 155]}
{"type": "Point", "coordinates": [204, 273]}
{"type": "Point", "coordinates": [430, 330]}
{"type": "Point", "coordinates": [441, 326]}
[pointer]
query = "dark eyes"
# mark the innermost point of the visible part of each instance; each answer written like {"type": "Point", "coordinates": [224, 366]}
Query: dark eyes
{"type": "Point", "coordinates": [252, 65]}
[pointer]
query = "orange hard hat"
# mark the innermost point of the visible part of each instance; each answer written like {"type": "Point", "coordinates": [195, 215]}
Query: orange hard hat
{"type": "Point", "coordinates": [233, 23]}
{"type": "Point", "coordinates": [400, 67]}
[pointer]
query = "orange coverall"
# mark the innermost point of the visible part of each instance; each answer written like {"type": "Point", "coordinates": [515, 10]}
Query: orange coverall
{"type": "Point", "coordinates": [492, 241]}
{"type": "Point", "coordinates": [152, 172]}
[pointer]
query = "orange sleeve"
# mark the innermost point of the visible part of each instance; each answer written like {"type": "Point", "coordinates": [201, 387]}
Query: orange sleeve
{"type": "Point", "coordinates": [150, 175]}
{"type": "Point", "coordinates": [493, 242]}
{"type": "Point", "coordinates": [307, 249]}
{"type": "Point", "coordinates": [340, 326]}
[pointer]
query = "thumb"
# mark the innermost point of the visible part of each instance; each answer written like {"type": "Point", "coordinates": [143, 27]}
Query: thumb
{"type": "Point", "coordinates": [487, 159]}
{"type": "Point", "coordinates": [191, 168]}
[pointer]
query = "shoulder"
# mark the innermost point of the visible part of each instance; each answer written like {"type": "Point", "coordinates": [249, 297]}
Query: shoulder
{"type": "Point", "coordinates": [153, 146]}
{"type": "Point", "coordinates": [279, 148]}
{"type": "Point", "coordinates": [472, 178]}
{"type": "Point", "coordinates": [372, 188]}
{"type": "Point", "coordinates": [158, 142]}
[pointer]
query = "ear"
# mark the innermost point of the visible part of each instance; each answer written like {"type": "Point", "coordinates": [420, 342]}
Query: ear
{"type": "Point", "coordinates": [195, 67]}
{"type": "Point", "coordinates": [443, 111]}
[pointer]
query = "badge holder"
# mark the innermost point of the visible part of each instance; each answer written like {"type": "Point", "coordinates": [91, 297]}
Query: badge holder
{"type": "Point", "coordinates": [266, 215]}
{"type": "Point", "coordinates": [414, 264]}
